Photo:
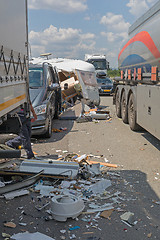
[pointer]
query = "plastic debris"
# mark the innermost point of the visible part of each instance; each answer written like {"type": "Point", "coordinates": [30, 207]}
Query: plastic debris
{"type": "Point", "coordinates": [100, 209]}
{"type": "Point", "coordinates": [31, 236]}
{"type": "Point", "coordinates": [128, 217]}
{"type": "Point", "coordinates": [6, 235]}
{"type": "Point", "coordinates": [66, 206]}
{"type": "Point", "coordinates": [14, 194]}
{"type": "Point", "coordinates": [107, 213]}
{"type": "Point", "coordinates": [100, 186]}
{"type": "Point", "coordinates": [10, 224]}
{"type": "Point", "coordinates": [149, 235]}
{"type": "Point", "coordinates": [2, 184]}
{"type": "Point", "coordinates": [94, 169]}
{"type": "Point", "coordinates": [74, 228]}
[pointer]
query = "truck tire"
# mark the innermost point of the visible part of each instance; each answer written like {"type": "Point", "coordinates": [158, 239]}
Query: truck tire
{"type": "Point", "coordinates": [124, 108]}
{"type": "Point", "coordinates": [118, 104]}
{"type": "Point", "coordinates": [48, 133]}
{"type": "Point", "coordinates": [132, 114]}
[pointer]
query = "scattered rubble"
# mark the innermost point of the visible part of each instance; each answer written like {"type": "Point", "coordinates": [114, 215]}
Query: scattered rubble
{"type": "Point", "coordinates": [87, 196]}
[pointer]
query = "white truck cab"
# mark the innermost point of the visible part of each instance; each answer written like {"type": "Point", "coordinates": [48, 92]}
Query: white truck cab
{"type": "Point", "coordinates": [99, 61]}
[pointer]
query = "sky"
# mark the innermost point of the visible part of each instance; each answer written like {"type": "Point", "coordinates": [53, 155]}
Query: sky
{"type": "Point", "coordinates": [73, 28]}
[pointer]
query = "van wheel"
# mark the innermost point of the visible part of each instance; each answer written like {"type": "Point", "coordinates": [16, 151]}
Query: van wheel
{"type": "Point", "coordinates": [48, 134]}
{"type": "Point", "coordinates": [124, 108]}
{"type": "Point", "coordinates": [118, 104]}
{"type": "Point", "coordinates": [132, 114]}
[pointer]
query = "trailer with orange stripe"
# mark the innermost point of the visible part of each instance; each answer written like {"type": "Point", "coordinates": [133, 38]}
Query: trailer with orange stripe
{"type": "Point", "coordinates": [137, 93]}
{"type": "Point", "coordinates": [13, 62]}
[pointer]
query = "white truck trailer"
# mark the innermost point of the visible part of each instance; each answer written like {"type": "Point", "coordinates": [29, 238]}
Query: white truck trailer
{"type": "Point", "coordinates": [137, 94]}
{"type": "Point", "coordinates": [13, 62]}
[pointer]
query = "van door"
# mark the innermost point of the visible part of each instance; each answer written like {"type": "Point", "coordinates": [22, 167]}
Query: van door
{"type": "Point", "coordinates": [50, 94]}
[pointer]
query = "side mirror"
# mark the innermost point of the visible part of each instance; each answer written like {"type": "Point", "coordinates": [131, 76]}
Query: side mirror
{"type": "Point", "coordinates": [54, 86]}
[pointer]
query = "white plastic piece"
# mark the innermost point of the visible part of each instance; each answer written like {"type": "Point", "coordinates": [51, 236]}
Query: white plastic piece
{"type": "Point", "coordinates": [52, 167]}
{"type": "Point", "coordinates": [66, 206]}
{"type": "Point", "coordinates": [31, 236]}
{"type": "Point", "coordinates": [100, 186]}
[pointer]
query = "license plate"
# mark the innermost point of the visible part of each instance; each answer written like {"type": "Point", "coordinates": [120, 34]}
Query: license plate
{"type": "Point", "coordinates": [107, 90]}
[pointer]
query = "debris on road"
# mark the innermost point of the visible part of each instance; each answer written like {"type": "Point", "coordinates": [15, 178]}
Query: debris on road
{"type": "Point", "coordinates": [66, 206]}
{"type": "Point", "coordinates": [10, 224]}
{"type": "Point", "coordinates": [90, 196]}
{"type": "Point", "coordinates": [30, 236]}
{"type": "Point", "coordinates": [128, 218]}
{"type": "Point", "coordinates": [93, 114]}
{"type": "Point", "coordinates": [25, 183]}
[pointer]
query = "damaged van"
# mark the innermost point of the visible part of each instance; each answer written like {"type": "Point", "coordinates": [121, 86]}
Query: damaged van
{"type": "Point", "coordinates": [81, 79]}
{"type": "Point", "coordinates": [77, 78]}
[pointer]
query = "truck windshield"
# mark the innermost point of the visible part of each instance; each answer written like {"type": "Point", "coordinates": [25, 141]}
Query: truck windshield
{"type": "Point", "coordinates": [99, 64]}
{"type": "Point", "coordinates": [104, 80]}
{"type": "Point", "coordinates": [35, 77]}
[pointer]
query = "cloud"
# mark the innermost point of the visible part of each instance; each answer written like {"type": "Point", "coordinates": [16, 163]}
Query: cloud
{"type": "Point", "coordinates": [64, 6]}
{"type": "Point", "coordinates": [62, 42]}
{"type": "Point", "coordinates": [116, 33]}
{"type": "Point", "coordinates": [115, 22]}
{"type": "Point", "coordinates": [87, 18]}
{"type": "Point", "coordinates": [138, 7]}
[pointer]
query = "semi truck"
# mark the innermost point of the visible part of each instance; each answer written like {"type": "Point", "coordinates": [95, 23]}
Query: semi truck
{"type": "Point", "coordinates": [137, 93]}
{"type": "Point", "coordinates": [13, 62]}
{"type": "Point", "coordinates": [14, 90]}
{"type": "Point", "coordinates": [99, 61]}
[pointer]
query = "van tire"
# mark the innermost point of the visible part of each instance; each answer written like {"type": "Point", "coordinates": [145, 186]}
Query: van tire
{"type": "Point", "coordinates": [48, 133]}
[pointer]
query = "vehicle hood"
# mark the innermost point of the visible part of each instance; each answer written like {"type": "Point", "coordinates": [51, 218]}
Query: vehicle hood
{"type": "Point", "coordinates": [105, 84]}
{"type": "Point", "coordinates": [36, 96]}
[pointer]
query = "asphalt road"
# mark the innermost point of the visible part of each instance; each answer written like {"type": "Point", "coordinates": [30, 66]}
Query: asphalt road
{"type": "Point", "coordinates": [137, 155]}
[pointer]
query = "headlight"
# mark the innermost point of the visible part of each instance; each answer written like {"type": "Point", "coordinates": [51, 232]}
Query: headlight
{"type": "Point", "coordinates": [40, 109]}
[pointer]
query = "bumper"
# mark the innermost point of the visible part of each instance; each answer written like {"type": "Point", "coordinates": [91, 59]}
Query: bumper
{"type": "Point", "coordinates": [39, 127]}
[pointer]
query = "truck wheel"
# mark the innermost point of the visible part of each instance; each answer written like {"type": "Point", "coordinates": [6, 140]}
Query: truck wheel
{"type": "Point", "coordinates": [118, 104]}
{"type": "Point", "coordinates": [124, 108]}
{"type": "Point", "coordinates": [132, 114]}
{"type": "Point", "coordinates": [48, 134]}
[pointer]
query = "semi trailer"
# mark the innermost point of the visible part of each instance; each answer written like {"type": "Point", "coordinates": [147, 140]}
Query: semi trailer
{"type": "Point", "coordinates": [137, 93]}
{"type": "Point", "coordinates": [14, 89]}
